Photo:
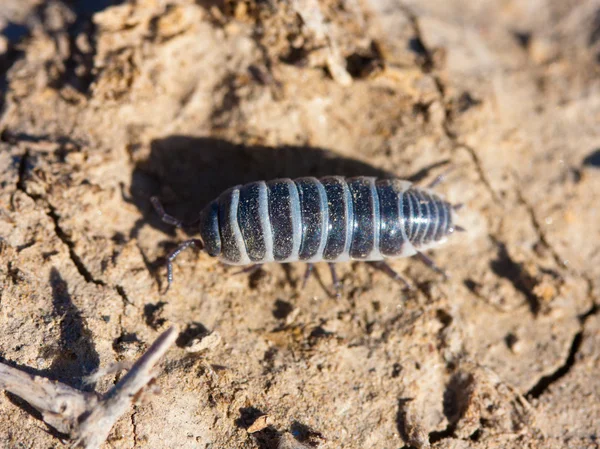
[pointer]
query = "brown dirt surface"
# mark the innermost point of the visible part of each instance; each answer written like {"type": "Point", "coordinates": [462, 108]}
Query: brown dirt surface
{"type": "Point", "coordinates": [107, 103]}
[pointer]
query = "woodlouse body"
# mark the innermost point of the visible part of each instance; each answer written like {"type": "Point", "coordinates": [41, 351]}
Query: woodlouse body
{"type": "Point", "coordinates": [330, 219]}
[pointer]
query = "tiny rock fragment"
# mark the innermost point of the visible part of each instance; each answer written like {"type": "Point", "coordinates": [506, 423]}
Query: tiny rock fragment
{"type": "Point", "coordinates": [261, 423]}
{"type": "Point", "coordinates": [337, 70]}
{"type": "Point", "coordinates": [514, 343]}
{"type": "Point", "coordinates": [206, 343]}
{"type": "Point", "coordinates": [292, 316]}
{"type": "Point", "coordinates": [545, 290]}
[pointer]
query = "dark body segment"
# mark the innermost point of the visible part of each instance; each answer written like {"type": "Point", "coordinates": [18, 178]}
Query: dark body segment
{"type": "Point", "coordinates": [391, 222]}
{"type": "Point", "coordinates": [365, 229]}
{"type": "Point", "coordinates": [229, 227]}
{"type": "Point", "coordinates": [284, 216]}
{"type": "Point", "coordinates": [314, 216]}
{"type": "Point", "coordinates": [252, 196]}
{"type": "Point", "coordinates": [209, 229]}
{"type": "Point", "coordinates": [339, 204]}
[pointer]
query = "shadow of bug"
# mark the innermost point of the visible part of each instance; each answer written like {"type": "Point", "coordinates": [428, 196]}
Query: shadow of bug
{"type": "Point", "coordinates": [195, 171]}
{"type": "Point", "coordinates": [189, 172]}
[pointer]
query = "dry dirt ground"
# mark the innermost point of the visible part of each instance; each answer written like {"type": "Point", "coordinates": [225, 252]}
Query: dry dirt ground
{"type": "Point", "coordinates": [106, 103]}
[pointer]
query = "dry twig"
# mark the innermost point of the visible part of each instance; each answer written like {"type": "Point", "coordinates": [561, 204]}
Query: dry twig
{"type": "Point", "coordinates": [85, 417]}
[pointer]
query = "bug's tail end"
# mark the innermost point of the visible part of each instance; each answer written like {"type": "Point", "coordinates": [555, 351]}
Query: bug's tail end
{"type": "Point", "coordinates": [454, 208]}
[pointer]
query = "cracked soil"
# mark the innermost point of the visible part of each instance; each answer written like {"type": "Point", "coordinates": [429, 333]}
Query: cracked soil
{"type": "Point", "coordinates": [107, 103]}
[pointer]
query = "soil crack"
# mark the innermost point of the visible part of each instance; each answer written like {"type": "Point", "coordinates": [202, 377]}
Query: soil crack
{"type": "Point", "coordinates": [439, 435]}
{"type": "Point", "coordinates": [134, 426]}
{"type": "Point", "coordinates": [560, 262]}
{"type": "Point", "coordinates": [81, 268]}
{"type": "Point", "coordinates": [22, 168]}
{"type": "Point", "coordinates": [64, 238]}
{"type": "Point", "coordinates": [122, 294]}
{"type": "Point", "coordinates": [546, 381]}
{"type": "Point", "coordinates": [53, 215]}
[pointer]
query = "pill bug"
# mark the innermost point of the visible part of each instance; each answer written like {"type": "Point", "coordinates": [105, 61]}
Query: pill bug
{"type": "Point", "coordinates": [331, 219]}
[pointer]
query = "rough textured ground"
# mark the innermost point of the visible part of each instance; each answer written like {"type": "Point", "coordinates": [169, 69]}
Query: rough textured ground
{"type": "Point", "coordinates": [104, 105]}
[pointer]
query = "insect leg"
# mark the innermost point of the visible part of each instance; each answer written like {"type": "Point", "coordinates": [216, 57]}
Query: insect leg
{"type": "Point", "coordinates": [249, 269]}
{"type": "Point", "coordinates": [193, 242]}
{"type": "Point", "coordinates": [336, 282]}
{"type": "Point", "coordinates": [384, 267]}
{"type": "Point", "coordinates": [160, 210]}
{"type": "Point", "coordinates": [307, 273]}
{"type": "Point", "coordinates": [439, 178]}
{"type": "Point", "coordinates": [431, 264]}
{"type": "Point", "coordinates": [169, 219]}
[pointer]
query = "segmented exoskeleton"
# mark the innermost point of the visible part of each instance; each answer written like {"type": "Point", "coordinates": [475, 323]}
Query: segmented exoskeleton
{"type": "Point", "coordinates": [331, 219]}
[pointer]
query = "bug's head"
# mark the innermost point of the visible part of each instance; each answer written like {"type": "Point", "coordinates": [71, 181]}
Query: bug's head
{"type": "Point", "coordinates": [208, 226]}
